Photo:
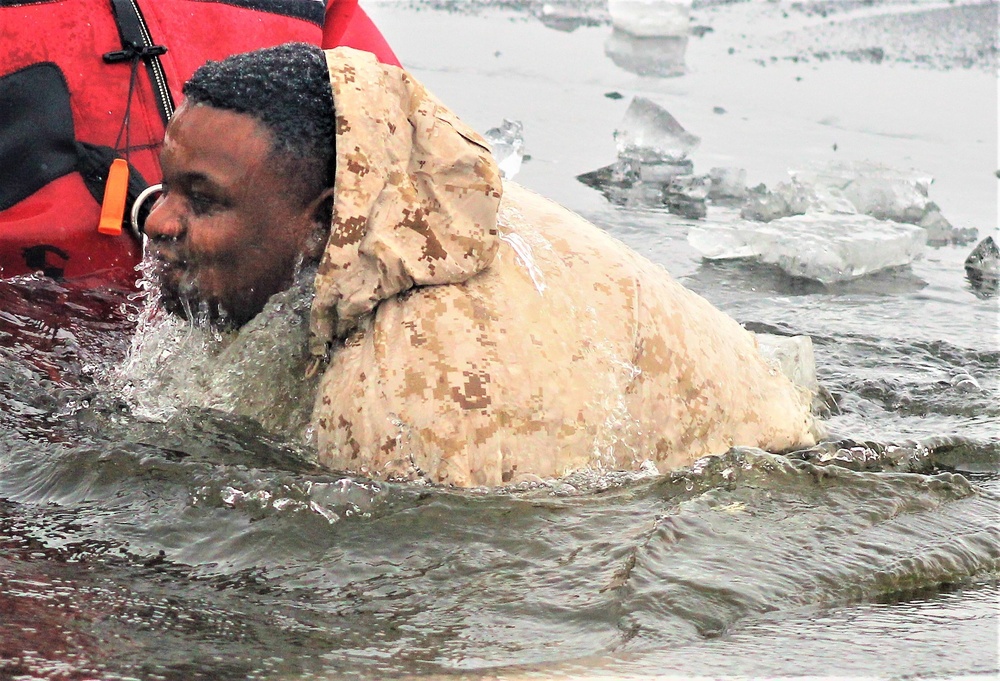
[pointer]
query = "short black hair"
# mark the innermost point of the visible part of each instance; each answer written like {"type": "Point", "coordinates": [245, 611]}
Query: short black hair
{"type": "Point", "coordinates": [287, 89]}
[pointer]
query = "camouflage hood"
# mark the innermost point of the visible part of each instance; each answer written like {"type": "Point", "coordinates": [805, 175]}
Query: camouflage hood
{"type": "Point", "coordinates": [416, 196]}
{"type": "Point", "coordinates": [474, 345]}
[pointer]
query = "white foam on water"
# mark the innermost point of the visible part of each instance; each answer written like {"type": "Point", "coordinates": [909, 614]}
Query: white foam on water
{"type": "Point", "coordinates": [257, 372]}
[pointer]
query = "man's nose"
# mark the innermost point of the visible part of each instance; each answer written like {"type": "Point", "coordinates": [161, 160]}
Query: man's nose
{"type": "Point", "coordinates": [165, 222]}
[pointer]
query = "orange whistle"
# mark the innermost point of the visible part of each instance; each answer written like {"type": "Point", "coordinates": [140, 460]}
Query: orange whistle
{"type": "Point", "coordinates": [115, 192]}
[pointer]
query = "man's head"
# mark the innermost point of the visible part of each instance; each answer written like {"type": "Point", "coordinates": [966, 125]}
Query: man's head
{"type": "Point", "coordinates": [247, 171]}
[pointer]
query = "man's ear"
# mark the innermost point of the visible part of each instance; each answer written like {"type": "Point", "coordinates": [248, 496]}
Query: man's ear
{"type": "Point", "coordinates": [321, 213]}
{"type": "Point", "coordinates": [322, 207]}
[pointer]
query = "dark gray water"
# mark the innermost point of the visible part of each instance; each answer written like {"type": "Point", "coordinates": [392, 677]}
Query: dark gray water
{"type": "Point", "coordinates": [200, 548]}
{"type": "Point", "coordinates": [189, 543]}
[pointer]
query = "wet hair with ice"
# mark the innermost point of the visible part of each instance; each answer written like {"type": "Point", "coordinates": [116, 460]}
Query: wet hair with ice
{"type": "Point", "coordinates": [287, 89]}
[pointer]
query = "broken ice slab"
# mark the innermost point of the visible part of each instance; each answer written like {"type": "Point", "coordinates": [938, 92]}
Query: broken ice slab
{"type": "Point", "coordinates": [662, 172]}
{"type": "Point", "coordinates": [791, 355]}
{"type": "Point", "coordinates": [982, 267]}
{"type": "Point", "coordinates": [727, 184]}
{"type": "Point", "coordinates": [651, 18]}
{"type": "Point", "coordinates": [985, 258]}
{"type": "Point", "coordinates": [651, 170]}
{"type": "Point", "coordinates": [940, 232]}
{"type": "Point", "coordinates": [507, 145]}
{"type": "Point", "coordinates": [626, 173]}
{"type": "Point", "coordinates": [874, 189]}
{"type": "Point", "coordinates": [652, 56]}
{"type": "Point", "coordinates": [857, 187]}
{"type": "Point", "coordinates": [567, 17]}
{"type": "Point", "coordinates": [649, 133]}
{"type": "Point", "coordinates": [669, 185]}
{"type": "Point", "coordinates": [793, 198]}
{"type": "Point", "coordinates": [685, 196]}
{"type": "Point", "coordinates": [622, 188]}
{"type": "Point", "coordinates": [826, 248]}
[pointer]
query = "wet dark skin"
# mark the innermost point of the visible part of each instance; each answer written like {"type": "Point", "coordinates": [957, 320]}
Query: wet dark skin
{"type": "Point", "coordinates": [228, 231]}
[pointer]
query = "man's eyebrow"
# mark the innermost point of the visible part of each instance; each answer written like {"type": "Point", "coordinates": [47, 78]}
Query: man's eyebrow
{"type": "Point", "coordinates": [193, 178]}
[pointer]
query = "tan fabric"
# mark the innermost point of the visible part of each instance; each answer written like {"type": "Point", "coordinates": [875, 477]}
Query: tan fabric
{"type": "Point", "coordinates": [416, 195]}
{"type": "Point", "coordinates": [550, 348]}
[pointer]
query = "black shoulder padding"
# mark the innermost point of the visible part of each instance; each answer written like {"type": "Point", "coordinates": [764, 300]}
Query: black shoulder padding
{"type": "Point", "coordinates": [36, 131]}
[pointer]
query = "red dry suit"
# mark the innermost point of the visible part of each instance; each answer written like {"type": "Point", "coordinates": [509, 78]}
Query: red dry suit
{"type": "Point", "coordinates": [85, 81]}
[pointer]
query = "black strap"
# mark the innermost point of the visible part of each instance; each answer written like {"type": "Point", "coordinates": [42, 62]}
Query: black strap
{"type": "Point", "coordinates": [137, 44]}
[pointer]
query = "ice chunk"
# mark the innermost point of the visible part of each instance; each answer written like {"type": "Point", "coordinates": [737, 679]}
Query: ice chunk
{"type": "Point", "coordinates": [723, 242]}
{"type": "Point", "coordinates": [654, 56]}
{"type": "Point", "coordinates": [763, 205]}
{"type": "Point", "coordinates": [982, 267]}
{"type": "Point", "coordinates": [857, 187]}
{"type": "Point", "coordinates": [648, 18]}
{"type": "Point", "coordinates": [985, 258]}
{"type": "Point", "coordinates": [650, 134]}
{"type": "Point", "coordinates": [727, 183]}
{"type": "Point", "coordinates": [567, 17]}
{"type": "Point", "coordinates": [651, 169]}
{"type": "Point", "coordinates": [794, 198]}
{"type": "Point", "coordinates": [685, 195]}
{"type": "Point", "coordinates": [873, 189]}
{"type": "Point", "coordinates": [507, 143]}
{"type": "Point", "coordinates": [791, 355]}
{"type": "Point", "coordinates": [940, 232]}
{"type": "Point", "coordinates": [824, 247]}
{"type": "Point", "coordinates": [666, 184]}
{"type": "Point", "coordinates": [662, 172]}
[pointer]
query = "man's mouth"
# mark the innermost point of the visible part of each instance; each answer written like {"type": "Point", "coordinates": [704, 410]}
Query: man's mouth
{"type": "Point", "coordinates": [178, 290]}
{"type": "Point", "coordinates": [181, 295]}
{"type": "Point", "coordinates": [171, 274]}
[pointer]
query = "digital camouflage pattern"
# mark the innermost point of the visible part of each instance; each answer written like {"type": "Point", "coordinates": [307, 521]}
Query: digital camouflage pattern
{"type": "Point", "coordinates": [467, 345]}
{"type": "Point", "coordinates": [416, 195]}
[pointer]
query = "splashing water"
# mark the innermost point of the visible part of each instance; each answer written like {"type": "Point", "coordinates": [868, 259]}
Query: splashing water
{"type": "Point", "coordinates": [259, 373]}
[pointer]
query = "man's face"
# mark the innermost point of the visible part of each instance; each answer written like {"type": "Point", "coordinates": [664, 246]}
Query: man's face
{"type": "Point", "coordinates": [228, 230]}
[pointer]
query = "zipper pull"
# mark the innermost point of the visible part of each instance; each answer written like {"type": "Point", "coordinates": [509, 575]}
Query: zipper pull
{"type": "Point", "coordinates": [115, 192]}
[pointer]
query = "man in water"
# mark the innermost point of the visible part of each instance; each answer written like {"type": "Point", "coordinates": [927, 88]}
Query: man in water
{"type": "Point", "coordinates": [467, 331]}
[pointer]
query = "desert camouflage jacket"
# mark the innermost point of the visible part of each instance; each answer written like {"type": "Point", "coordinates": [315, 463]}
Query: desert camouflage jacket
{"type": "Point", "coordinates": [474, 333]}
